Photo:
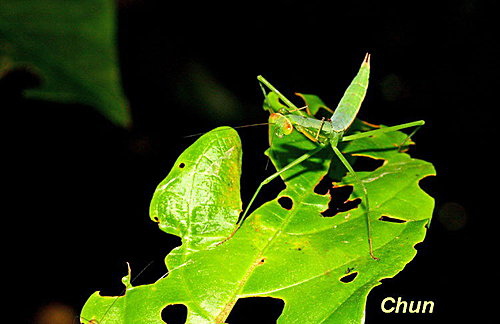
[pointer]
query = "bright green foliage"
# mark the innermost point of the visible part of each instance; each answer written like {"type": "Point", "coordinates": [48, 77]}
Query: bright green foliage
{"type": "Point", "coordinates": [199, 200]}
{"type": "Point", "coordinates": [314, 103]}
{"type": "Point", "coordinates": [70, 45]}
{"type": "Point", "coordinates": [273, 104]}
{"type": "Point", "coordinates": [294, 254]}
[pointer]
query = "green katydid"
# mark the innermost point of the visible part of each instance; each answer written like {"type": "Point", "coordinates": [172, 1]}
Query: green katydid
{"type": "Point", "coordinates": [329, 132]}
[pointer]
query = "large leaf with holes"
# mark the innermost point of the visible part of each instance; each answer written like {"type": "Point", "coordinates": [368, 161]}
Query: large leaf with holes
{"type": "Point", "coordinates": [288, 248]}
{"type": "Point", "coordinates": [71, 46]}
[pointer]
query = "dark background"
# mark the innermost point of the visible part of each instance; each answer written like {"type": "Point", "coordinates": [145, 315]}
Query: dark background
{"type": "Point", "coordinates": [81, 187]}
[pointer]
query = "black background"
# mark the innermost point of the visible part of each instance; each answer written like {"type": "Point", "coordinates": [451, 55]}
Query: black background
{"type": "Point", "coordinates": [80, 187]}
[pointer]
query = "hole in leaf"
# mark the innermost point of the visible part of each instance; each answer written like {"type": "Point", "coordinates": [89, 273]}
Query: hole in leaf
{"type": "Point", "coordinates": [174, 314]}
{"type": "Point", "coordinates": [262, 310]}
{"type": "Point", "coordinates": [349, 277]}
{"type": "Point", "coordinates": [113, 290]}
{"type": "Point", "coordinates": [19, 79]}
{"type": "Point", "coordinates": [367, 164]}
{"type": "Point", "coordinates": [428, 185]}
{"type": "Point", "coordinates": [286, 202]}
{"type": "Point", "coordinates": [89, 321]}
{"type": "Point", "coordinates": [115, 287]}
{"type": "Point", "coordinates": [182, 165]}
{"type": "Point", "coordinates": [339, 202]}
{"type": "Point", "coordinates": [324, 185]}
{"type": "Point", "coordinates": [392, 219]}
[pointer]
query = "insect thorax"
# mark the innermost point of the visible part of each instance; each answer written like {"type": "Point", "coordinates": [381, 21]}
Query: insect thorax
{"type": "Point", "coordinates": [335, 137]}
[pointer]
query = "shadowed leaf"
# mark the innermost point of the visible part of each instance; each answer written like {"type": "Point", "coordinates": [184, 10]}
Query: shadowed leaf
{"type": "Point", "coordinates": [70, 45]}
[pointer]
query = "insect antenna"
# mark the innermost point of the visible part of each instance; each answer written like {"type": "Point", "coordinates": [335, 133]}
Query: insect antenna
{"type": "Point", "coordinates": [235, 127]}
{"type": "Point", "coordinates": [94, 321]}
{"type": "Point", "coordinates": [125, 289]}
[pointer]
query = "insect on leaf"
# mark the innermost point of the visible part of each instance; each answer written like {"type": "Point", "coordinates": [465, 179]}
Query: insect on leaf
{"type": "Point", "coordinates": [293, 252]}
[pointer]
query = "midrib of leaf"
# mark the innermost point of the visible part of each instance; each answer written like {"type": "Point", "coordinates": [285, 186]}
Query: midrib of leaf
{"type": "Point", "coordinates": [221, 317]}
{"type": "Point", "coordinates": [187, 239]}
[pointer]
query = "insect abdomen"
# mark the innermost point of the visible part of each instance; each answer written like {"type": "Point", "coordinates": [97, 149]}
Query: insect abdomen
{"type": "Point", "coordinates": [349, 105]}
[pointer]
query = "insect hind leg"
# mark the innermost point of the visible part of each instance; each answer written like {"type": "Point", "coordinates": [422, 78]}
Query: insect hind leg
{"type": "Point", "coordinates": [364, 201]}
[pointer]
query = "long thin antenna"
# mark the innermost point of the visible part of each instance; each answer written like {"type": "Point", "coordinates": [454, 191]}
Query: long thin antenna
{"type": "Point", "coordinates": [125, 289]}
{"type": "Point", "coordinates": [235, 127]}
{"type": "Point", "coordinates": [180, 266]}
{"type": "Point", "coordinates": [101, 321]}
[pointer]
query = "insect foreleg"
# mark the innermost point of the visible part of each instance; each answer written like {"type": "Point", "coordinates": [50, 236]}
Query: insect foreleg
{"type": "Point", "coordinates": [408, 138]}
{"type": "Point", "coordinates": [320, 128]}
{"type": "Point", "coordinates": [291, 107]}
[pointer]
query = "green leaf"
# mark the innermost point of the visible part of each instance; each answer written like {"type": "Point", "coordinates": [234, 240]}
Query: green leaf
{"type": "Point", "coordinates": [199, 200]}
{"type": "Point", "coordinates": [293, 254]}
{"type": "Point", "coordinates": [71, 46]}
{"type": "Point", "coordinates": [273, 104]}
{"type": "Point", "coordinates": [314, 103]}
